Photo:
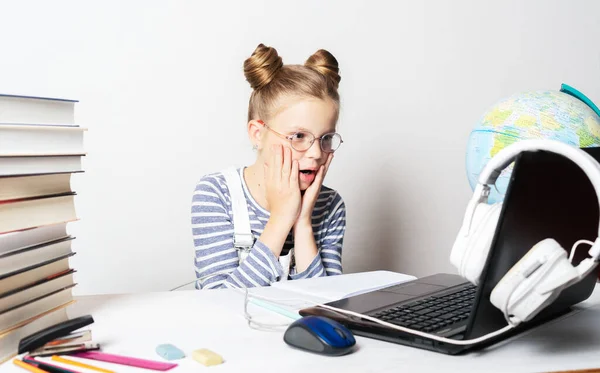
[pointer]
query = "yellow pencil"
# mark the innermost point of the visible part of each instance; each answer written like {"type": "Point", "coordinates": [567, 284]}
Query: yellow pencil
{"type": "Point", "coordinates": [81, 365]}
{"type": "Point", "coordinates": [29, 367]}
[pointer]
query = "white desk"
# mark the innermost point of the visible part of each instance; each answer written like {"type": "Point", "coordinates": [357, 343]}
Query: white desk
{"type": "Point", "coordinates": [135, 324]}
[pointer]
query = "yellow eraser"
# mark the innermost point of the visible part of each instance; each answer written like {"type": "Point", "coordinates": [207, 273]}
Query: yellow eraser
{"type": "Point", "coordinates": [206, 357]}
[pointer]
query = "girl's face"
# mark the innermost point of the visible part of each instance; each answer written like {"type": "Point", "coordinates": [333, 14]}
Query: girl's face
{"type": "Point", "coordinates": [301, 120]}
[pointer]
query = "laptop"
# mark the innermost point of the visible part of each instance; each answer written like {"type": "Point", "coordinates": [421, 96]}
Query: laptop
{"type": "Point", "coordinates": [547, 196]}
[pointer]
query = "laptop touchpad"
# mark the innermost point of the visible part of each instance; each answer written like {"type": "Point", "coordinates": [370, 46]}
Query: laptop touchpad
{"type": "Point", "coordinates": [413, 288]}
{"type": "Point", "coordinates": [369, 301]}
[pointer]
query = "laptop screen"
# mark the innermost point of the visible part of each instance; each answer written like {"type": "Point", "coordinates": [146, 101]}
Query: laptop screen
{"type": "Point", "coordinates": [548, 196]}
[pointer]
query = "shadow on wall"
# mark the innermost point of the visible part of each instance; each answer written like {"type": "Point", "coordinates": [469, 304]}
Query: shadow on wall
{"type": "Point", "coordinates": [375, 227]}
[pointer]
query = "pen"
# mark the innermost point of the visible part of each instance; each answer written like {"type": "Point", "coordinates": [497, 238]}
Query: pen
{"type": "Point", "coordinates": [29, 367]}
{"type": "Point", "coordinates": [50, 368]}
{"type": "Point", "coordinates": [591, 370]}
{"type": "Point", "coordinates": [275, 308]}
{"type": "Point", "coordinates": [81, 365]}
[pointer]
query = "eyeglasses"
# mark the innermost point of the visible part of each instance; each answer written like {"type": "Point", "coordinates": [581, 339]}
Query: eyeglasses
{"type": "Point", "coordinates": [303, 140]}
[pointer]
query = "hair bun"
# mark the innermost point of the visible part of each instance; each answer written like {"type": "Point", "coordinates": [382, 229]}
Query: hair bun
{"type": "Point", "coordinates": [261, 67]}
{"type": "Point", "coordinates": [326, 64]}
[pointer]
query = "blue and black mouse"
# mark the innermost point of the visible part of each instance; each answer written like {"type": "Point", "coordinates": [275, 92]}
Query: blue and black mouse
{"type": "Point", "coordinates": [320, 335]}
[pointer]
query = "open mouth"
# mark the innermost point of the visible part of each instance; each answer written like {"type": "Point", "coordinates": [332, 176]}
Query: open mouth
{"type": "Point", "coordinates": [307, 172]}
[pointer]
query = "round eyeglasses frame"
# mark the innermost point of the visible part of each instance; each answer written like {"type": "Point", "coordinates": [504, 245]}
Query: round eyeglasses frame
{"type": "Point", "coordinates": [290, 138]}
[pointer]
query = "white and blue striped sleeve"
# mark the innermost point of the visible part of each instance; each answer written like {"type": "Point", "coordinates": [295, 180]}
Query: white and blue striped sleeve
{"type": "Point", "coordinates": [328, 261]}
{"type": "Point", "coordinates": [216, 260]}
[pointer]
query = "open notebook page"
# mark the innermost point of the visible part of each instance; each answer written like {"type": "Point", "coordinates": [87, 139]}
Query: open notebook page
{"type": "Point", "coordinates": [333, 288]}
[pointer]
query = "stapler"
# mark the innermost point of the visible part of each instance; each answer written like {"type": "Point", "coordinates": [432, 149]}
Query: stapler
{"type": "Point", "coordinates": [46, 336]}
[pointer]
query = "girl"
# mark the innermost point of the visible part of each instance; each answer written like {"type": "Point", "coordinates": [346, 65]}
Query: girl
{"type": "Point", "coordinates": [292, 116]}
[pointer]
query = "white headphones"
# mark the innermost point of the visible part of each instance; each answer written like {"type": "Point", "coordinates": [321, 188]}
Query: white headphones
{"type": "Point", "coordinates": [538, 278]}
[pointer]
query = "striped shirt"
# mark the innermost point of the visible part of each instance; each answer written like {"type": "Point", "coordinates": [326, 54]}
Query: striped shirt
{"type": "Point", "coordinates": [216, 260]}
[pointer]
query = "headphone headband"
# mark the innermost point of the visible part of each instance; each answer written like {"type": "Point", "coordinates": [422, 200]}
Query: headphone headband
{"type": "Point", "coordinates": [506, 156]}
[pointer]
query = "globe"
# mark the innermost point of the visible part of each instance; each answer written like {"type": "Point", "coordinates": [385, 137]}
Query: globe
{"type": "Point", "coordinates": [566, 115]}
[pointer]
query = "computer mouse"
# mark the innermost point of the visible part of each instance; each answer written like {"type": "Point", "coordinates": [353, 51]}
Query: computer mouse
{"type": "Point", "coordinates": [320, 335]}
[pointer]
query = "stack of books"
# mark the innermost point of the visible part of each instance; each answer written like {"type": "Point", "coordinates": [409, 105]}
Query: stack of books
{"type": "Point", "coordinates": [41, 148]}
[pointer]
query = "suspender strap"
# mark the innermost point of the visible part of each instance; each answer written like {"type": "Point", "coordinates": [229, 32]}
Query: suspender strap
{"type": "Point", "coordinates": [243, 239]}
{"type": "Point", "coordinates": [242, 236]}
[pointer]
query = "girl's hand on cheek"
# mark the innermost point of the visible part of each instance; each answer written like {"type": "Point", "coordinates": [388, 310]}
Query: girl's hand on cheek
{"type": "Point", "coordinates": [312, 193]}
{"type": "Point", "coordinates": [282, 187]}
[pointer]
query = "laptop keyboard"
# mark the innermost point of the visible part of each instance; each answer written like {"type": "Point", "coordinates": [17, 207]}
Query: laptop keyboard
{"type": "Point", "coordinates": [432, 313]}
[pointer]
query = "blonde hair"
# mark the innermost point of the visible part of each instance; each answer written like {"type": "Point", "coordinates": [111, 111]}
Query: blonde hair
{"type": "Point", "coordinates": [272, 81]}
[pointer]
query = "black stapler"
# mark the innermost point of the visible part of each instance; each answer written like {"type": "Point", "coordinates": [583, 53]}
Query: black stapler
{"type": "Point", "coordinates": [44, 336]}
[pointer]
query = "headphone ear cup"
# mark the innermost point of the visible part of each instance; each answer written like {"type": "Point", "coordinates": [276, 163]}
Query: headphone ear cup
{"type": "Point", "coordinates": [521, 292]}
{"type": "Point", "coordinates": [477, 246]}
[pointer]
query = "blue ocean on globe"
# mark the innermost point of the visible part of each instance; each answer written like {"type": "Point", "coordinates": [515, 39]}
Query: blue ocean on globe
{"type": "Point", "coordinates": [566, 115]}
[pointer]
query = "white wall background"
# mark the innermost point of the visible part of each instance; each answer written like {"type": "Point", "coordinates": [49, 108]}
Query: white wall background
{"type": "Point", "coordinates": [162, 92]}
